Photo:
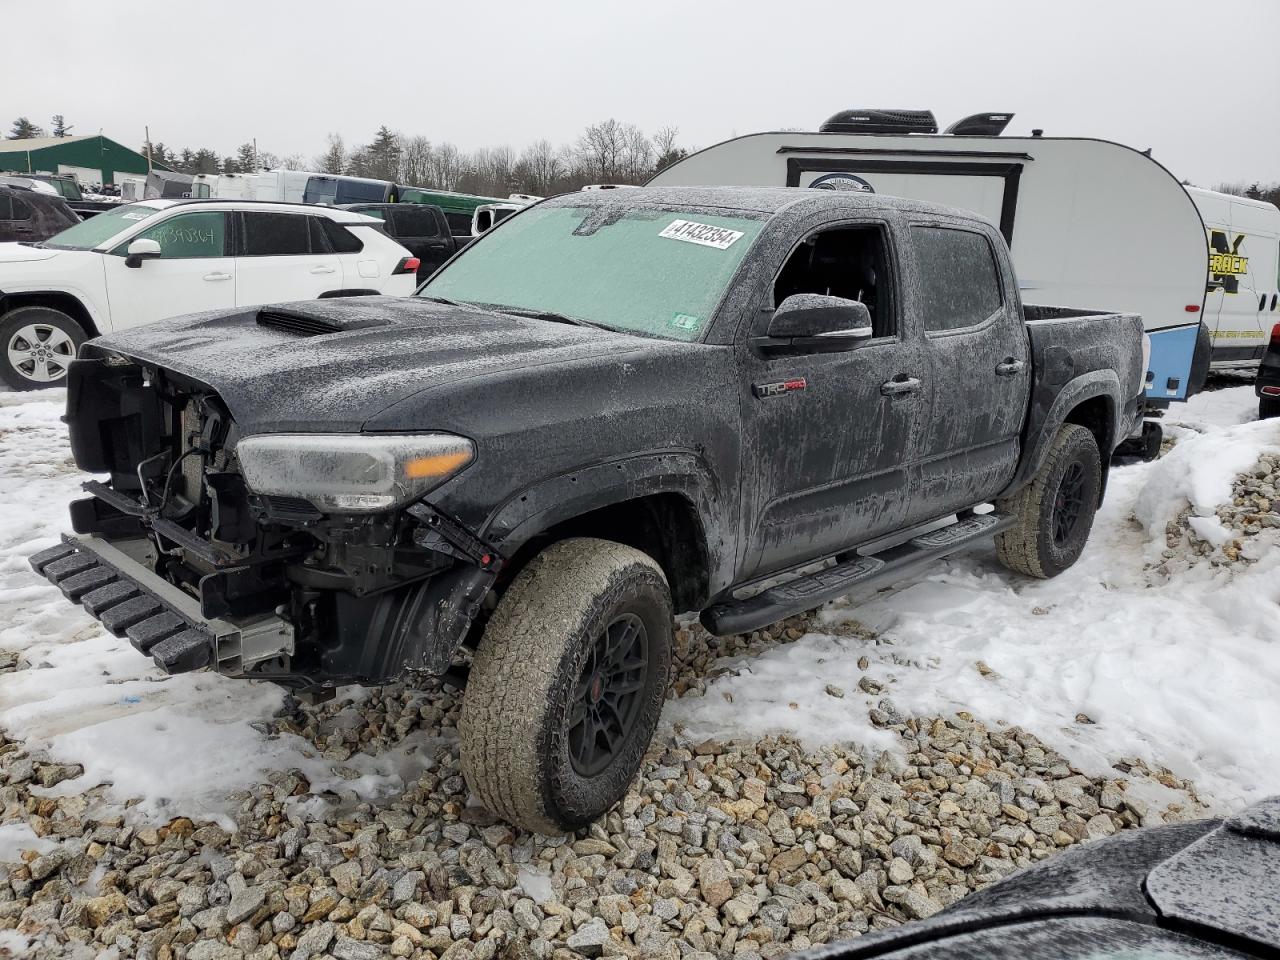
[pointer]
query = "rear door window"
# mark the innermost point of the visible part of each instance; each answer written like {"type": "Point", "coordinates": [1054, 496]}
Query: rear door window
{"type": "Point", "coordinates": [340, 238]}
{"type": "Point", "coordinates": [21, 210]}
{"type": "Point", "coordinates": [6, 213]}
{"type": "Point", "coordinates": [411, 221]}
{"type": "Point", "coordinates": [959, 281]}
{"type": "Point", "coordinates": [321, 190]}
{"type": "Point", "coordinates": [275, 235]}
{"type": "Point", "coordinates": [354, 191]}
{"type": "Point", "coordinates": [186, 236]}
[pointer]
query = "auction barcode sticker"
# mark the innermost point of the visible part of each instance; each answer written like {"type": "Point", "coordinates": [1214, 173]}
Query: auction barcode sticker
{"type": "Point", "coordinates": [722, 238]}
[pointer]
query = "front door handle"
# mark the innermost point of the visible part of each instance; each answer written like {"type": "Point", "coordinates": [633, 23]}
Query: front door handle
{"type": "Point", "coordinates": [899, 385]}
{"type": "Point", "coordinates": [1009, 367]}
{"type": "Point", "coordinates": [324, 270]}
{"type": "Point", "coordinates": [217, 276]}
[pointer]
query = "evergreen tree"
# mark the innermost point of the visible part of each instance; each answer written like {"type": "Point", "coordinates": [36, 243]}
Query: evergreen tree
{"type": "Point", "coordinates": [24, 129]}
{"type": "Point", "coordinates": [247, 158]}
{"type": "Point", "coordinates": [60, 126]}
{"type": "Point", "coordinates": [229, 165]}
{"type": "Point", "coordinates": [205, 161]}
{"type": "Point", "coordinates": [381, 159]}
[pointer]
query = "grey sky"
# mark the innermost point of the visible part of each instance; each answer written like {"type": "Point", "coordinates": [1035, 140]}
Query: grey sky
{"type": "Point", "coordinates": [1199, 83]}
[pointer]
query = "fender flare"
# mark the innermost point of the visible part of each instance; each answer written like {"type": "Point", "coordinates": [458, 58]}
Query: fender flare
{"type": "Point", "coordinates": [553, 500]}
{"type": "Point", "coordinates": [84, 302]}
{"type": "Point", "coordinates": [1087, 386]}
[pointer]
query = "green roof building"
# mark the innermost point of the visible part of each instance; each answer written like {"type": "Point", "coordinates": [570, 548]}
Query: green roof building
{"type": "Point", "coordinates": [94, 159]}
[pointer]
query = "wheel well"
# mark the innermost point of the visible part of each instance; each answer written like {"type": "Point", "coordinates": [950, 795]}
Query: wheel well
{"type": "Point", "coordinates": [666, 526]}
{"type": "Point", "coordinates": [1096, 416]}
{"type": "Point", "coordinates": [58, 301]}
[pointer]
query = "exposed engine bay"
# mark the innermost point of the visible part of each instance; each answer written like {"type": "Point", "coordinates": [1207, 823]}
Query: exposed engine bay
{"type": "Point", "coordinates": [304, 588]}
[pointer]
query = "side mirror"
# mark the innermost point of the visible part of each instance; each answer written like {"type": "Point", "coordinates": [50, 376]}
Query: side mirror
{"type": "Point", "coordinates": [813, 323]}
{"type": "Point", "coordinates": [142, 249]}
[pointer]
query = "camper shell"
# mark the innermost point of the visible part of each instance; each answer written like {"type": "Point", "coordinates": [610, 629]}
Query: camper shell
{"type": "Point", "coordinates": [1092, 224]}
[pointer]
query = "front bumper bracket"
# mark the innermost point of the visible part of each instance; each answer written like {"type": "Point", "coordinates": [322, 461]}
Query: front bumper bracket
{"type": "Point", "coordinates": [115, 585]}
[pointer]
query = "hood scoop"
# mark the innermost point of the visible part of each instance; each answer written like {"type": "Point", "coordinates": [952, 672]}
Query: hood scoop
{"type": "Point", "coordinates": [308, 323]}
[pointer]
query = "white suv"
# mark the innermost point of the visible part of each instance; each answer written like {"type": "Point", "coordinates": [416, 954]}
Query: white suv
{"type": "Point", "coordinates": [145, 261]}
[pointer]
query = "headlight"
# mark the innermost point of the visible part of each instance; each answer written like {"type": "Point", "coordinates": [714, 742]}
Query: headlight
{"type": "Point", "coordinates": [351, 473]}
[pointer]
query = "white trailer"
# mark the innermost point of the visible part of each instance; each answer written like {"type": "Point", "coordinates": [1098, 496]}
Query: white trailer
{"type": "Point", "coordinates": [1243, 302]}
{"type": "Point", "coordinates": [1091, 223]}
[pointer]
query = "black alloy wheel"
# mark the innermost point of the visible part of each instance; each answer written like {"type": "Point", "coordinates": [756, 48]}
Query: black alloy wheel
{"type": "Point", "coordinates": [607, 697]}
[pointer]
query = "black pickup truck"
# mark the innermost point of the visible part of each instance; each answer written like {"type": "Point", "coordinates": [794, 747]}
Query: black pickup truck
{"type": "Point", "coordinates": [421, 228]}
{"type": "Point", "coordinates": [609, 409]}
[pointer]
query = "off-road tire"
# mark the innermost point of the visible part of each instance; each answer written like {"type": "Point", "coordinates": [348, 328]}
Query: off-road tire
{"type": "Point", "coordinates": [515, 722]}
{"type": "Point", "coordinates": [1268, 407]}
{"type": "Point", "coordinates": [1029, 546]}
{"type": "Point", "coordinates": [21, 317]}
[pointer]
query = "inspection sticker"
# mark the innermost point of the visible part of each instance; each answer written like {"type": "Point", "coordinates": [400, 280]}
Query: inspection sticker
{"type": "Point", "coordinates": [690, 231]}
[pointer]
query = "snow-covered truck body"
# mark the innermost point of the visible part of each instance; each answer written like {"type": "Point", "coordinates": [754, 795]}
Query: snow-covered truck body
{"type": "Point", "coordinates": [1089, 222]}
{"type": "Point", "coordinates": [611, 407]}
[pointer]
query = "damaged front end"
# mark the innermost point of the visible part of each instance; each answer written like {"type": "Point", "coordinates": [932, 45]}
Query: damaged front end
{"type": "Point", "coordinates": [305, 559]}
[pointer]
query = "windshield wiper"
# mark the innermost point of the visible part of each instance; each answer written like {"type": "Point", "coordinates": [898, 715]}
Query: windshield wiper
{"type": "Point", "coordinates": [447, 302]}
{"type": "Point", "coordinates": [548, 315]}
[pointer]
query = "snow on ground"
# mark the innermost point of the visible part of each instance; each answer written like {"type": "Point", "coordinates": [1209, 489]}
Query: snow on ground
{"type": "Point", "coordinates": [1182, 673]}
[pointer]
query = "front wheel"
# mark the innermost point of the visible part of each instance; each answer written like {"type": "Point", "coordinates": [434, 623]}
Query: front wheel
{"type": "Point", "coordinates": [1055, 511]}
{"type": "Point", "coordinates": [39, 345]}
{"type": "Point", "coordinates": [567, 685]}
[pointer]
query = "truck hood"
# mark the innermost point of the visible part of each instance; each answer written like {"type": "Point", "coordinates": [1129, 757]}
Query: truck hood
{"type": "Point", "coordinates": [331, 365]}
{"type": "Point", "coordinates": [21, 253]}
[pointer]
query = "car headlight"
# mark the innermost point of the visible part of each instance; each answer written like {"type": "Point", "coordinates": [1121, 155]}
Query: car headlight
{"type": "Point", "coordinates": [351, 473]}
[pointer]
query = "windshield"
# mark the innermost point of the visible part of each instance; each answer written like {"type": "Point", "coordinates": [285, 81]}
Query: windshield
{"type": "Point", "coordinates": [641, 269]}
{"type": "Point", "coordinates": [90, 233]}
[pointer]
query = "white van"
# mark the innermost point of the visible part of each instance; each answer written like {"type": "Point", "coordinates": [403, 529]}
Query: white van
{"type": "Point", "coordinates": [1091, 224]}
{"type": "Point", "coordinates": [1243, 302]}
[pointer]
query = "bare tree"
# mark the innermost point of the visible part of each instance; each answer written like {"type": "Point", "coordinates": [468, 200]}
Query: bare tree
{"type": "Point", "coordinates": [415, 160]}
{"type": "Point", "coordinates": [446, 166]}
{"type": "Point", "coordinates": [540, 168]}
{"type": "Point", "coordinates": [599, 150]}
{"type": "Point", "coordinates": [334, 159]}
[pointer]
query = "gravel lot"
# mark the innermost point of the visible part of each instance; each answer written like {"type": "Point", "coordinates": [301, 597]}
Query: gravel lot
{"type": "Point", "coordinates": [722, 848]}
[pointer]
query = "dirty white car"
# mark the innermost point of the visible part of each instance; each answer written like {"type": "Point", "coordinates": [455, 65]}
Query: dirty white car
{"type": "Point", "coordinates": [143, 262]}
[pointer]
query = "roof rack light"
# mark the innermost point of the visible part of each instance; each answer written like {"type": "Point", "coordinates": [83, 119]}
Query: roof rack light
{"type": "Point", "coordinates": [881, 121]}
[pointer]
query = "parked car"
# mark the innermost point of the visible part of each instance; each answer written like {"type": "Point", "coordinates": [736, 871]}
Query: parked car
{"type": "Point", "coordinates": [301, 186]}
{"type": "Point", "coordinates": [27, 216]}
{"type": "Point", "coordinates": [142, 262]}
{"type": "Point", "coordinates": [616, 406]}
{"type": "Point", "coordinates": [1208, 890]}
{"type": "Point", "coordinates": [69, 189]}
{"type": "Point", "coordinates": [1267, 384]}
{"type": "Point", "coordinates": [421, 228]}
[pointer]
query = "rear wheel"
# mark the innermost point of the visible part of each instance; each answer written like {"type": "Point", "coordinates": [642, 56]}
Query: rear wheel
{"type": "Point", "coordinates": [567, 685]}
{"type": "Point", "coordinates": [1268, 407]}
{"type": "Point", "coordinates": [39, 345]}
{"type": "Point", "coordinates": [1055, 511]}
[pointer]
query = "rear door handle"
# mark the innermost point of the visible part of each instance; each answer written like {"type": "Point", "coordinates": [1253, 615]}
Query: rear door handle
{"type": "Point", "coordinates": [324, 270]}
{"type": "Point", "coordinates": [217, 276]}
{"type": "Point", "coordinates": [1009, 367]}
{"type": "Point", "coordinates": [899, 385]}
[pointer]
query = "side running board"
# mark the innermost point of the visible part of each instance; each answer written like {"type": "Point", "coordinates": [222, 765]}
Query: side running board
{"type": "Point", "coordinates": [815, 589]}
